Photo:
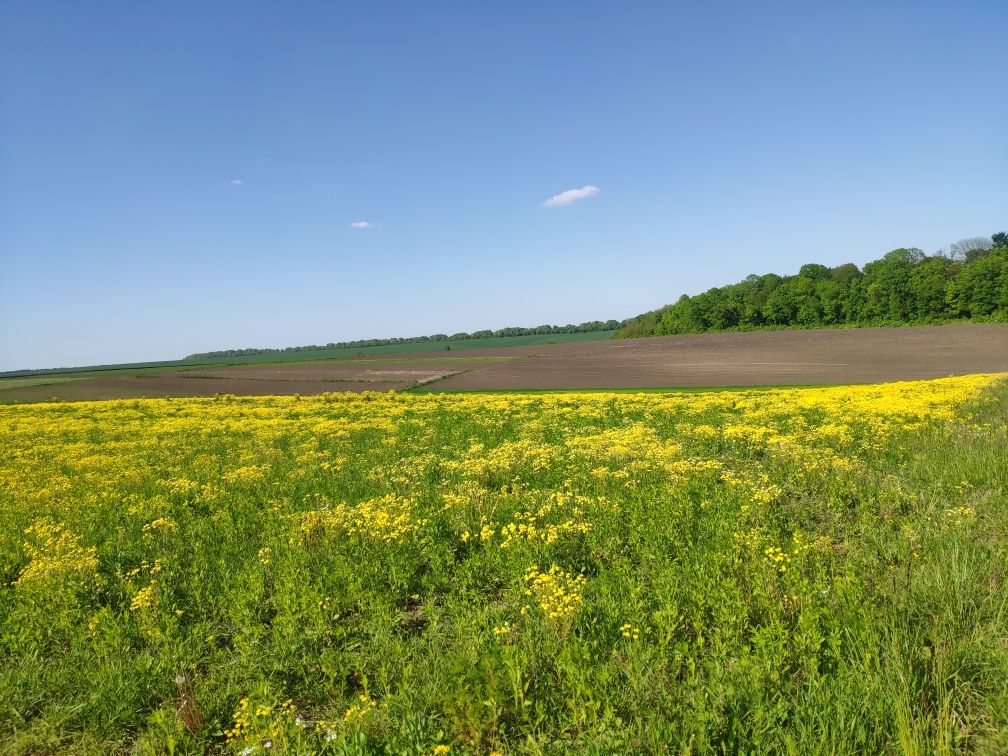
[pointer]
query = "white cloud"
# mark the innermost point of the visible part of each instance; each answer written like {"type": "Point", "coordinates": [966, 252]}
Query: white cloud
{"type": "Point", "coordinates": [236, 182]}
{"type": "Point", "coordinates": [363, 224]}
{"type": "Point", "coordinates": [571, 195]}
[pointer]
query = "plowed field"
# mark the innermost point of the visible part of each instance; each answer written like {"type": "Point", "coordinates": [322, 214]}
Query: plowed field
{"type": "Point", "coordinates": [770, 358]}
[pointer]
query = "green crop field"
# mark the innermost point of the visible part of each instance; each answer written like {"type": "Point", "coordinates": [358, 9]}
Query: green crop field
{"type": "Point", "coordinates": [41, 380]}
{"type": "Point", "coordinates": [807, 570]}
{"type": "Point", "coordinates": [319, 354]}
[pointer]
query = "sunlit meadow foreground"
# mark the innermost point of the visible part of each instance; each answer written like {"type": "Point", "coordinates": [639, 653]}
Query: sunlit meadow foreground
{"type": "Point", "coordinates": [815, 570]}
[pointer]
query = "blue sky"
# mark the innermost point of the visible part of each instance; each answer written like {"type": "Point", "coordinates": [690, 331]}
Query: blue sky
{"type": "Point", "coordinates": [179, 177]}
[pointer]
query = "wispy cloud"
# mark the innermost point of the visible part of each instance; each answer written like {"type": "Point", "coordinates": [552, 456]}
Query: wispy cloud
{"type": "Point", "coordinates": [236, 182]}
{"type": "Point", "coordinates": [571, 195]}
{"type": "Point", "coordinates": [363, 224]}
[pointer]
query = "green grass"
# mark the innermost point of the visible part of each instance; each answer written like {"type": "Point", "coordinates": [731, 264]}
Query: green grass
{"type": "Point", "coordinates": [772, 571]}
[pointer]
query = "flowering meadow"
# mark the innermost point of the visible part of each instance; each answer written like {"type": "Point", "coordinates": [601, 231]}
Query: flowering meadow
{"type": "Point", "coordinates": [812, 570]}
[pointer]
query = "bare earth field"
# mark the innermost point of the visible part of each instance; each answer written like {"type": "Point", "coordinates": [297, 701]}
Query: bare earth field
{"type": "Point", "coordinates": [307, 378]}
{"type": "Point", "coordinates": [775, 358]}
{"type": "Point", "coordinates": [696, 360]}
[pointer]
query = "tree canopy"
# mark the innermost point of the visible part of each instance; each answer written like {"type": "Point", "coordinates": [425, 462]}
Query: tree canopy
{"type": "Point", "coordinates": [904, 287]}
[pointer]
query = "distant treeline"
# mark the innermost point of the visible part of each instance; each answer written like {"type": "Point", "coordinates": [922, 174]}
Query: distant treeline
{"type": "Point", "coordinates": [592, 326]}
{"type": "Point", "coordinates": [906, 286]}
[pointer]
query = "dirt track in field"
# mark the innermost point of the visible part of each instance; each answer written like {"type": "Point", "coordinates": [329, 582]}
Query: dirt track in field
{"type": "Point", "coordinates": [723, 359]}
{"type": "Point", "coordinates": [328, 372]}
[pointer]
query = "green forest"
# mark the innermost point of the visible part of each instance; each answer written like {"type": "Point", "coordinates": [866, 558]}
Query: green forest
{"type": "Point", "coordinates": [906, 286]}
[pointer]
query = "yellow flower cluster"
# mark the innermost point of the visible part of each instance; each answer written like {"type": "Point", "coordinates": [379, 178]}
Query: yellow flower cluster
{"type": "Point", "coordinates": [146, 566]}
{"type": "Point", "coordinates": [630, 632]}
{"type": "Point", "coordinates": [958, 515]}
{"type": "Point", "coordinates": [247, 474]}
{"type": "Point", "coordinates": [756, 435]}
{"type": "Point", "coordinates": [145, 599]}
{"type": "Point", "coordinates": [364, 706]}
{"type": "Point", "coordinates": [55, 555]}
{"type": "Point", "coordinates": [531, 526]}
{"type": "Point", "coordinates": [547, 534]}
{"type": "Point", "coordinates": [777, 558]}
{"type": "Point", "coordinates": [558, 593]}
{"type": "Point", "coordinates": [756, 540]}
{"type": "Point", "coordinates": [388, 518]}
{"type": "Point", "coordinates": [803, 544]}
{"type": "Point", "coordinates": [626, 444]}
{"type": "Point", "coordinates": [757, 488]}
{"type": "Point", "coordinates": [162, 524]}
{"type": "Point", "coordinates": [261, 721]}
{"type": "Point", "coordinates": [502, 460]}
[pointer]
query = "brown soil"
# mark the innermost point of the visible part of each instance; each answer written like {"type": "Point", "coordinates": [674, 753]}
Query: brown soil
{"type": "Point", "coordinates": [170, 384]}
{"type": "Point", "coordinates": [249, 380]}
{"type": "Point", "coordinates": [324, 371]}
{"type": "Point", "coordinates": [746, 359]}
{"type": "Point", "coordinates": [723, 359]}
